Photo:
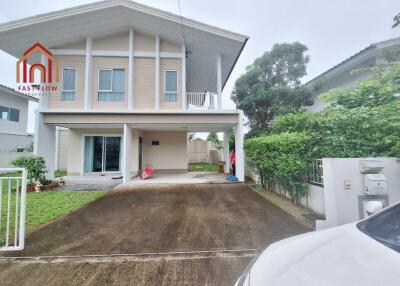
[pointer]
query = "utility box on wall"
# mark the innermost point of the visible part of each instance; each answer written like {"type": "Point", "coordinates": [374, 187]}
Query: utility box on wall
{"type": "Point", "coordinates": [375, 184]}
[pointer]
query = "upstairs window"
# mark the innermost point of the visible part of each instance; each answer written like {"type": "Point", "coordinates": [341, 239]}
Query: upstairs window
{"type": "Point", "coordinates": [10, 114]}
{"type": "Point", "coordinates": [68, 84]}
{"type": "Point", "coordinates": [111, 85]}
{"type": "Point", "coordinates": [171, 86]}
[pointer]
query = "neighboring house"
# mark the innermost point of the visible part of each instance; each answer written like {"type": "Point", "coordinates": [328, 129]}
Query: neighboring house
{"type": "Point", "coordinates": [135, 81]}
{"type": "Point", "coordinates": [14, 120]}
{"type": "Point", "coordinates": [354, 69]}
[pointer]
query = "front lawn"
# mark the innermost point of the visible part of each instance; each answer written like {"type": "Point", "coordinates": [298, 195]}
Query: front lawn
{"type": "Point", "coordinates": [203, 167]}
{"type": "Point", "coordinates": [43, 207]}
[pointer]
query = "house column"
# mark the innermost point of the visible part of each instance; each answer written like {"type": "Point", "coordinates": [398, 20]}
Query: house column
{"type": "Point", "coordinates": [88, 73]}
{"type": "Point", "coordinates": [219, 82]}
{"type": "Point", "coordinates": [130, 69]}
{"type": "Point", "coordinates": [183, 76]}
{"type": "Point", "coordinates": [157, 91]}
{"type": "Point", "coordinates": [226, 152]}
{"type": "Point", "coordinates": [45, 143]}
{"type": "Point", "coordinates": [239, 148]}
{"type": "Point", "coordinates": [126, 153]}
{"type": "Point", "coordinates": [44, 98]}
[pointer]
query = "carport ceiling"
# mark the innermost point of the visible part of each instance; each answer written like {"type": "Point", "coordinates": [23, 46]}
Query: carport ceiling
{"type": "Point", "coordinates": [109, 17]}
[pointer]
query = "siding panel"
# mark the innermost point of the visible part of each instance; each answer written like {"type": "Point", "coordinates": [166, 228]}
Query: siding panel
{"type": "Point", "coordinates": [144, 88]}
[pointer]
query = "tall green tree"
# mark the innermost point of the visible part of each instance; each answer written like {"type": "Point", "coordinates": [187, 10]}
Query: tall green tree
{"type": "Point", "coordinates": [271, 85]}
{"type": "Point", "coordinates": [396, 21]}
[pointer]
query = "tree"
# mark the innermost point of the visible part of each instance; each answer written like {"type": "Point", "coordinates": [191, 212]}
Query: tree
{"type": "Point", "coordinates": [271, 85]}
{"type": "Point", "coordinates": [213, 137]}
{"type": "Point", "coordinates": [396, 21]}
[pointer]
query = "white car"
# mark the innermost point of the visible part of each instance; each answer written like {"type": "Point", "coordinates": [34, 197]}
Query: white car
{"type": "Point", "coordinates": [363, 253]}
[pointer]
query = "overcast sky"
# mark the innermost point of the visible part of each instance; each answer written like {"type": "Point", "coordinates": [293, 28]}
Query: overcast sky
{"type": "Point", "coordinates": [332, 30]}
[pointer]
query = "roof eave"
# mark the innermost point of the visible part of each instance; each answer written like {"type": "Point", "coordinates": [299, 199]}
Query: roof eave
{"type": "Point", "coordinates": [127, 4]}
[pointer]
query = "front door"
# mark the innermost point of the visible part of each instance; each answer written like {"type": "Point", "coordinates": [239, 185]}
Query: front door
{"type": "Point", "coordinates": [102, 154]}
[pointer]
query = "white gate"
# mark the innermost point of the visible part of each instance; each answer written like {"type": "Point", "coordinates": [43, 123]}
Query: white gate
{"type": "Point", "coordinates": [12, 208]}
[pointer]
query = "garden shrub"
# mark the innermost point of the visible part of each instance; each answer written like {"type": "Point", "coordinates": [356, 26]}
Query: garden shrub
{"type": "Point", "coordinates": [35, 166]}
{"type": "Point", "coordinates": [281, 161]}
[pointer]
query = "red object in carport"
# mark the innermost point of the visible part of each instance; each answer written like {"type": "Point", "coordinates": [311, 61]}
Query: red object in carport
{"type": "Point", "coordinates": [147, 172]}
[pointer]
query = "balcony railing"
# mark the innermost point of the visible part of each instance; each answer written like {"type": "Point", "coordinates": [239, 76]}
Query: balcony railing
{"type": "Point", "coordinates": [201, 100]}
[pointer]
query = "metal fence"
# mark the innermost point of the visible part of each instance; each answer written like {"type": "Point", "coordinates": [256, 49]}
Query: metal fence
{"type": "Point", "coordinates": [315, 173]}
{"type": "Point", "coordinates": [12, 208]}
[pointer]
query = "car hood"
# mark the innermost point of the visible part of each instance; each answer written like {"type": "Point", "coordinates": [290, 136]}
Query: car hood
{"type": "Point", "coordinates": [338, 256]}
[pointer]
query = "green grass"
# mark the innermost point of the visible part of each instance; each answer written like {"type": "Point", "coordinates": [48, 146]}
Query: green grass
{"type": "Point", "coordinates": [205, 167]}
{"type": "Point", "coordinates": [60, 174]}
{"type": "Point", "coordinates": [43, 207]}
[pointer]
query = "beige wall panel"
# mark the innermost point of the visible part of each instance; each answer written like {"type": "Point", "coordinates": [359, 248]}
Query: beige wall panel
{"type": "Point", "coordinates": [81, 45]}
{"type": "Point", "coordinates": [170, 64]}
{"type": "Point", "coordinates": [77, 62]}
{"type": "Point", "coordinates": [144, 86]}
{"type": "Point", "coordinates": [145, 43]}
{"type": "Point", "coordinates": [118, 42]}
{"type": "Point", "coordinates": [108, 63]}
{"type": "Point", "coordinates": [169, 47]}
{"type": "Point", "coordinates": [63, 150]}
{"type": "Point", "coordinates": [170, 154]}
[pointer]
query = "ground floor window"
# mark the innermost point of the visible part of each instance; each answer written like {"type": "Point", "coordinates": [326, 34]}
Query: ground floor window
{"type": "Point", "coordinates": [102, 154]}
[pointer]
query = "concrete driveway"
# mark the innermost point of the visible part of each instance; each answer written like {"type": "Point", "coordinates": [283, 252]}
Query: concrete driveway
{"type": "Point", "coordinates": [173, 235]}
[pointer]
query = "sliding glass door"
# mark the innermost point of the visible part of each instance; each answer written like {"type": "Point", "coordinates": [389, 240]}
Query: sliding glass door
{"type": "Point", "coordinates": [102, 154]}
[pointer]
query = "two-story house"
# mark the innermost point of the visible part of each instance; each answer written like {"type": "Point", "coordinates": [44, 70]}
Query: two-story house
{"type": "Point", "coordinates": [134, 81]}
{"type": "Point", "coordinates": [14, 120]}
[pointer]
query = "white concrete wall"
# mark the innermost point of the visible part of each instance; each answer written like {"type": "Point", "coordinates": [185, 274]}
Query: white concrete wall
{"type": "Point", "coordinates": [314, 199]}
{"type": "Point", "coordinates": [11, 142]}
{"type": "Point", "coordinates": [341, 204]}
{"type": "Point", "coordinates": [7, 157]}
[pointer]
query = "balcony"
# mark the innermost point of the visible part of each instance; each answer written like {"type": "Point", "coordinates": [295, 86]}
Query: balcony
{"type": "Point", "coordinates": [201, 100]}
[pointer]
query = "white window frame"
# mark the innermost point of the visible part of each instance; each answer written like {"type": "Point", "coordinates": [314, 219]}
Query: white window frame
{"type": "Point", "coordinates": [112, 80]}
{"type": "Point", "coordinates": [165, 86]}
{"type": "Point", "coordinates": [62, 83]}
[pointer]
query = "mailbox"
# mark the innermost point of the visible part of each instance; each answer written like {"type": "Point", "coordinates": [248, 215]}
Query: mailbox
{"type": "Point", "coordinates": [375, 184]}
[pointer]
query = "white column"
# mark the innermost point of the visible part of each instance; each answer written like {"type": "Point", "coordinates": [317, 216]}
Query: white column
{"type": "Point", "coordinates": [88, 73]}
{"type": "Point", "coordinates": [157, 91]}
{"type": "Point", "coordinates": [226, 152]}
{"type": "Point", "coordinates": [239, 148]}
{"type": "Point", "coordinates": [219, 82]}
{"type": "Point", "coordinates": [126, 153]}
{"type": "Point", "coordinates": [130, 69]}
{"type": "Point", "coordinates": [43, 99]}
{"type": "Point", "coordinates": [57, 147]}
{"type": "Point", "coordinates": [45, 143]}
{"type": "Point", "coordinates": [183, 76]}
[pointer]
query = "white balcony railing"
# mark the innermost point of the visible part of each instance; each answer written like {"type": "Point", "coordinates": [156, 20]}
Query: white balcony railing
{"type": "Point", "coordinates": [201, 100]}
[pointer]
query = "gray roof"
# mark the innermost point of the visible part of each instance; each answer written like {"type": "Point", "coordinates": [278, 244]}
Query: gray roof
{"type": "Point", "coordinates": [105, 18]}
{"type": "Point", "coordinates": [367, 52]}
{"type": "Point", "coordinates": [16, 93]}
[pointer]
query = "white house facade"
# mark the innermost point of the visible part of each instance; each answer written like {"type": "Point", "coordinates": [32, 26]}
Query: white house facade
{"type": "Point", "coordinates": [14, 120]}
{"type": "Point", "coordinates": [134, 81]}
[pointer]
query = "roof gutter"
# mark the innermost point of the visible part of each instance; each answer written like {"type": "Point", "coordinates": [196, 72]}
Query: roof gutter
{"type": "Point", "coordinates": [234, 63]}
